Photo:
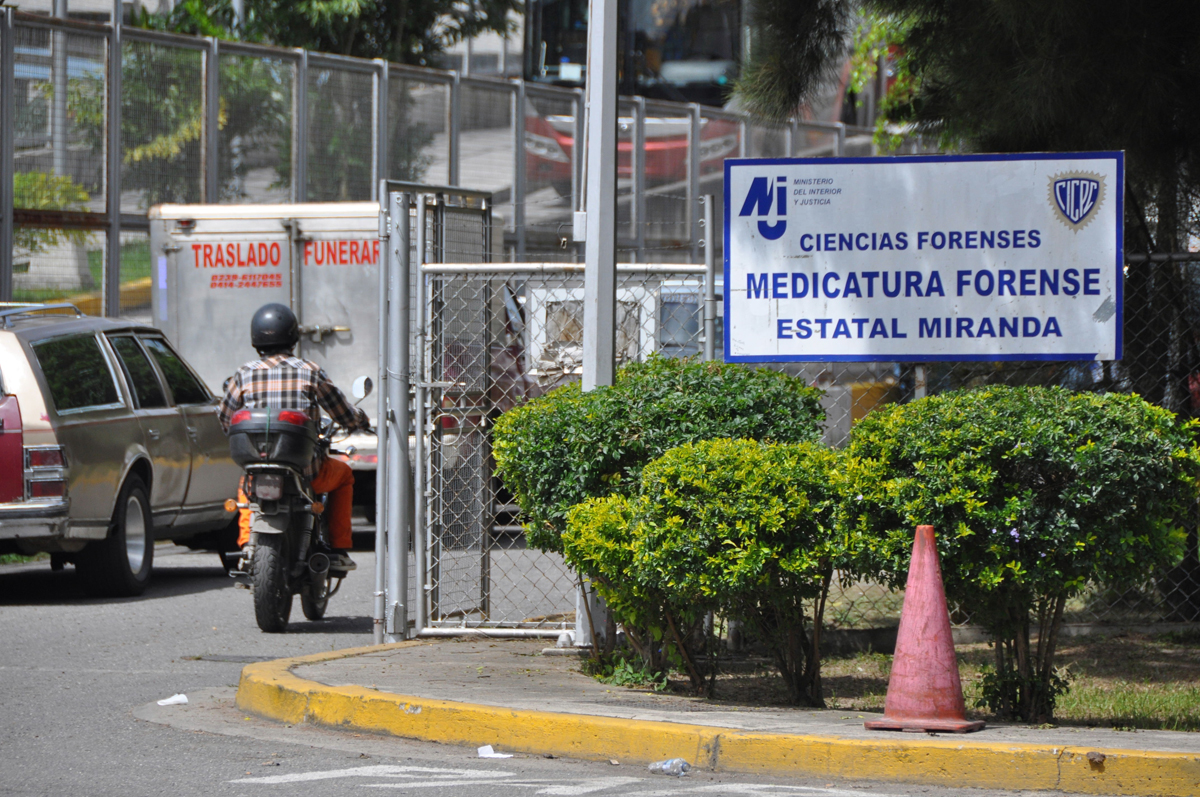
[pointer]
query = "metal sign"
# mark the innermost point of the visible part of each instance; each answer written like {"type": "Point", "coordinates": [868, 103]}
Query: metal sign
{"type": "Point", "coordinates": [971, 257]}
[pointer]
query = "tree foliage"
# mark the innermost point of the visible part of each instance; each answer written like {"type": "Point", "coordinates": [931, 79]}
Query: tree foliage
{"type": "Point", "coordinates": [568, 446]}
{"type": "Point", "coordinates": [1033, 492]}
{"type": "Point", "coordinates": [403, 31]}
{"type": "Point", "coordinates": [796, 47]}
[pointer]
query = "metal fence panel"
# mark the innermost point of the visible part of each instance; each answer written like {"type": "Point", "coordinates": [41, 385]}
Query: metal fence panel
{"type": "Point", "coordinates": [340, 135]}
{"type": "Point", "coordinates": [418, 133]}
{"type": "Point", "coordinates": [162, 125]}
{"type": "Point", "coordinates": [59, 123]}
{"type": "Point", "coordinates": [255, 116]}
{"type": "Point", "coordinates": [487, 152]}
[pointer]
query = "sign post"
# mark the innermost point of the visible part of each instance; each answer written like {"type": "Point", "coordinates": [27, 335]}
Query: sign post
{"type": "Point", "coordinates": [924, 258]}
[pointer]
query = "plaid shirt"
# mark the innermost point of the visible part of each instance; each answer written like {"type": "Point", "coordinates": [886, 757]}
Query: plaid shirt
{"type": "Point", "coordinates": [284, 382]}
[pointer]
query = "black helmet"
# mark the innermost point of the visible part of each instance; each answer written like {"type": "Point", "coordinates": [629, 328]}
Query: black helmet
{"type": "Point", "coordinates": [274, 329]}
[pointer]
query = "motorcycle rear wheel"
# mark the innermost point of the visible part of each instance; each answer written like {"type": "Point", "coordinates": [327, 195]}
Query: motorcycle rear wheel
{"type": "Point", "coordinates": [314, 598]}
{"type": "Point", "coordinates": [272, 597]}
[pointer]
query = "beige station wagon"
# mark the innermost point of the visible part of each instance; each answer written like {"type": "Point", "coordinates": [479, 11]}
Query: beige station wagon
{"type": "Point", "coordinates": [108, 442]}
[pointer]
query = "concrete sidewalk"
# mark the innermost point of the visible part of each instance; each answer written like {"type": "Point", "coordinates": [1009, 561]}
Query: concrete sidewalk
{"type": "Point", "coordinates": [505, 693]}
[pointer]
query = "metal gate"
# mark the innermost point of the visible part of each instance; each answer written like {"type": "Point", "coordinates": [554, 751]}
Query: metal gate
{"type": "Point", "coordinates": [495, 335]}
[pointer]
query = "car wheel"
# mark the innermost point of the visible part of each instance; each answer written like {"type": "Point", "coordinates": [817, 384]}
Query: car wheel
{"type": "Point", "coordinates": [120, 565]}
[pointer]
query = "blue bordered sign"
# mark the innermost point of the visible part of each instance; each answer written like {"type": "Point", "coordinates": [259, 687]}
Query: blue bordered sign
{"type": "Point", "coordinates": [924, 258]}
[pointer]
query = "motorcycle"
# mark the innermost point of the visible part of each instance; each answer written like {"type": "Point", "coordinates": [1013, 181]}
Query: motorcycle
{"type": "Point", "coordinates": [288, 551]}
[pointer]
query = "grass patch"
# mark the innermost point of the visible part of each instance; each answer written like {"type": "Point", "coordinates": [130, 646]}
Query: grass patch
{"type": "Point", "coordinates": [20, 558]}
{"type": "Point", "coordinates": [1131, 681]}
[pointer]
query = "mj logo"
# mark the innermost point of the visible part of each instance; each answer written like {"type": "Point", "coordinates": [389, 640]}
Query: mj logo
{"type": "Point", "coordinates": [758, 202]}
{"type": "Point", "coordinates": [1076, 196]}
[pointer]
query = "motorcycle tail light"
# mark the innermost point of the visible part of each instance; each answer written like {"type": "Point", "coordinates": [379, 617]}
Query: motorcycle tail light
{"type": "Point", "coordinates": [292, 416]}
{"type": "Point", "coordinates": [268, 486]}
{"type": "Point", "coordinates": [49, 488]}
{"type": "Point", "coordinates": [239, 416]}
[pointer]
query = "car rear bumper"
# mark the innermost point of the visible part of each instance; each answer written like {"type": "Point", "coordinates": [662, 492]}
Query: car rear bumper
{"type": "Point", "coordinates": [21, 521]}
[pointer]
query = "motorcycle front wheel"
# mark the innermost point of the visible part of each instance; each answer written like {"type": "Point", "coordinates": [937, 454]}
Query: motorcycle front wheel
{"type": "Point", "coordinates": [272, 598]}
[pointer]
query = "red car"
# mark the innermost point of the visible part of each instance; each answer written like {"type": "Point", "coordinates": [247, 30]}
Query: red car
{"type": "Point", "coordinates": [550, 140]}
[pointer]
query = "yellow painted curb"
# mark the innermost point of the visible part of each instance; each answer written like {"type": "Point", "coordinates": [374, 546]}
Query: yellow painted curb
{"type": "Point", "coordinates": [271, 690]}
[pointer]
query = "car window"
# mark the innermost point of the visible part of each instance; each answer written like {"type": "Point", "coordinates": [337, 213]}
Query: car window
{"type": "Point", "coordinates": [76, 372]}
{"type": "Point", "coordinates": [184, 386]}
{"type": "Point", "coordinates": [141, 374]}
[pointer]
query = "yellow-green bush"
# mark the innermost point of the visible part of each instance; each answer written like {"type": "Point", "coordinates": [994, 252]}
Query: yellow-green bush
{"type": "Point", "coordinates": [738, 527]}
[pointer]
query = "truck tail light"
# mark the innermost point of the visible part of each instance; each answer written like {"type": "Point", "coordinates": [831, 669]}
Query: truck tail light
{"type": "Point", "coordinates": [292, 416]}
{"type": "Point", "coordinates": [12, 459]}
{"type": "Point", "coordinates": [44, 476]}
{"type": "Point", "coordinates": [239, 417]}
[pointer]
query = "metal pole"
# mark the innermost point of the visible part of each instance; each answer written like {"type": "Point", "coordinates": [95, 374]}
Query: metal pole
{"type": "Point", "coordinates": [841, 139]}
{"type": "Point", "coordinates": [58, 123]}
{"type": "Point", "coordinates": [519, 187]}
{"type": "Point", "coordinates": [7, 154]}
{"type": "Point", "coordinates": [578, 160]}
{"type": "Point", "coordinates": [112, 259]}
{"type": "Point", "coordinates": [300, 130]}
{"type": "Point", "coordinates": [693, 178]}
{"type": "Point", "coordinates": [381, 425]}
{"type": "Point", "coordinates": [453, 112]}
{"type": "Point", "coordinates": [212, 121]}
{"type": "Point", "coordinates": [399, 478]}
{"type": "Point", "coordinates": [599, 281]}
{"type": "Point", "coordinates": [600, 249]}
{"type": "Point", "coordinates": [710, 279]}
{"type": "Point", "coordinates": [639, 176]}
{"type": "Point", "coordinates": [379, 158]}
{"type": "Point", "coordinates": [424, 375]}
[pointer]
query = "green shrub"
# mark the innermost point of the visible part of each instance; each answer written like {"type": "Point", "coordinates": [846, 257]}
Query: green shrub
{"type": "Point", "coordinates": [747, 529]}
{"type": "Point", "coordinates": [737, 527]}
{"type": "Point", "coordinates": [1033, 493]}
{"type": "Point", "coordinates": [563, 448]}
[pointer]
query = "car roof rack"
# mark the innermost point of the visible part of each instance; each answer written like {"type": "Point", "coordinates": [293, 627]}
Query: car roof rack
{"type": "Point", "coordinates": [10, 310]}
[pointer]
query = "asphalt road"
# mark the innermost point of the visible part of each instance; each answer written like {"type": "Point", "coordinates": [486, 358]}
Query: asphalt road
{"type": "Point", "coordinates": [79, 679]}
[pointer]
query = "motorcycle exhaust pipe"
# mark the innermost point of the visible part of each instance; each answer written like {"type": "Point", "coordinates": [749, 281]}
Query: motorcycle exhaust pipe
{"type": "Point", "coordinates": [318, 564]}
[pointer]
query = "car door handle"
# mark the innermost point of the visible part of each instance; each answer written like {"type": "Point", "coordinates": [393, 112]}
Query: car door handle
{"type": "Point", "coordinates": [152, 434]}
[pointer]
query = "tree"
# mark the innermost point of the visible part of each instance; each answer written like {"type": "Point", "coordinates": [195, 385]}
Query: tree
{"type": "Point", "coordinates": [403, 31]}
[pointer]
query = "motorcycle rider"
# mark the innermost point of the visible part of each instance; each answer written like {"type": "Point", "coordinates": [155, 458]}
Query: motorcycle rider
{"type": "Point", "coordinates": [280, 380]}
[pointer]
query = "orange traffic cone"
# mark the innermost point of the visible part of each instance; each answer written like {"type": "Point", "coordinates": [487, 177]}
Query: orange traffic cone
{"type": "Point", "coordinates": [924, 692]}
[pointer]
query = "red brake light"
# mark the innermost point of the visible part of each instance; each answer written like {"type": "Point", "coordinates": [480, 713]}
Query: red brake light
{"type": "Point", "coordinates": [293, 416]}
{"type": "Point", "coordinates": [54, 488]}
{"type": "Point", "coordinates": [44, 457]}
{"type": "Point", "coordinates": [239, 416]}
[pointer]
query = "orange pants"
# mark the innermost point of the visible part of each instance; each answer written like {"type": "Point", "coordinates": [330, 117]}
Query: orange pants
{"type": "Point", "coordinates": [335, 478]}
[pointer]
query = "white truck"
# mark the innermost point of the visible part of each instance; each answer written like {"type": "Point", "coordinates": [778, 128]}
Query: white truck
{"type": "Point", "coordinates": [212, 266]}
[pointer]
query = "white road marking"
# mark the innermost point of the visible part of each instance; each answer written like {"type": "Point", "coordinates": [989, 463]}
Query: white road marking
{"type": "Point", "coordinates": [382, 770]}
{"type": "Point", "coordinates": [410, 777]}
{"type": "Point", "coordinates": [589, 786]}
